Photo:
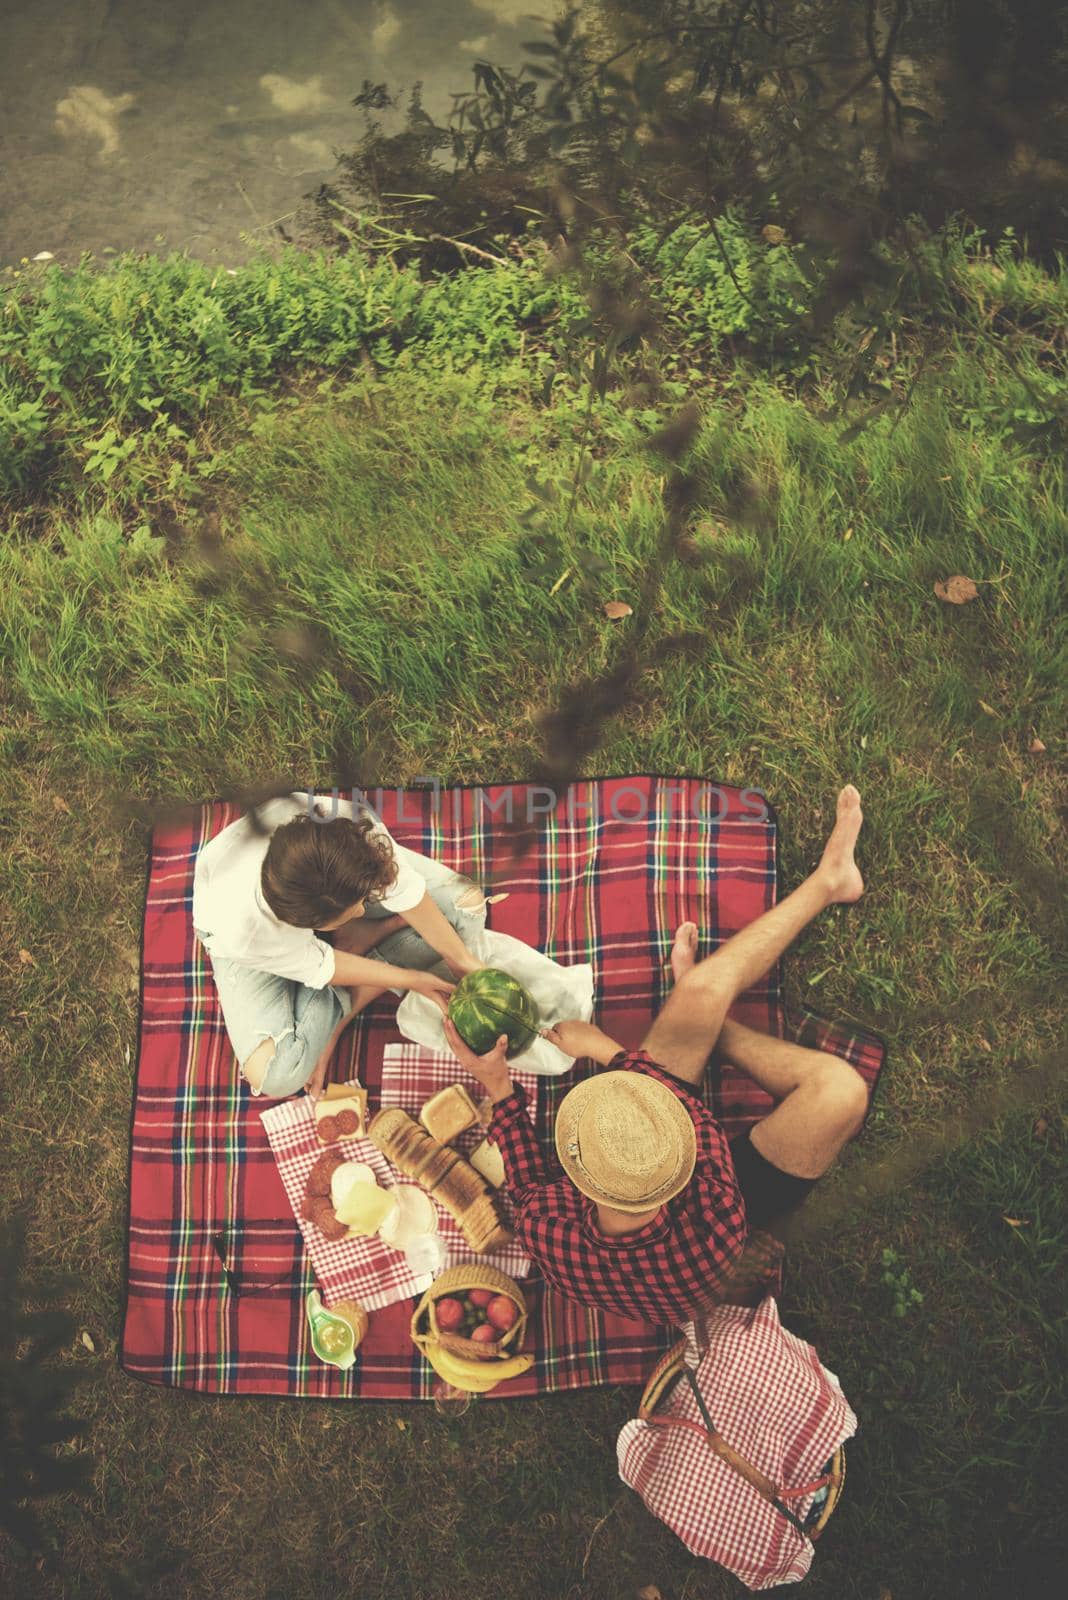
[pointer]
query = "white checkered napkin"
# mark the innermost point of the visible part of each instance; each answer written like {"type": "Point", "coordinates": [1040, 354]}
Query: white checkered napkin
{"type": "Point", "coordinates": [410, 1075]}
{"type": "Point", "coordinates": [364, 1270]}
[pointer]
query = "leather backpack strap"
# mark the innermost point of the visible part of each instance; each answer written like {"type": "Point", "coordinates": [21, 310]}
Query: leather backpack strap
{"type": "Point", "coordinates": [744, 1468]}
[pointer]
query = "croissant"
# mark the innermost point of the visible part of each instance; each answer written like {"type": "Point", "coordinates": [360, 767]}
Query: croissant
{"type": "Point", "coordinates": [444, 1174]}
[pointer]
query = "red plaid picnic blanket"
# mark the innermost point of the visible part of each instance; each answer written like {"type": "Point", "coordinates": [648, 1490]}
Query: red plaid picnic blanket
{"type": "Point", "coordinates": [217, 1271]}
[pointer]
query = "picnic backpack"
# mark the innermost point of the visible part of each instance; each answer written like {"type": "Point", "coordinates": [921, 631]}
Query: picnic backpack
{"type": "Point", "coordinates": [738, 1445]}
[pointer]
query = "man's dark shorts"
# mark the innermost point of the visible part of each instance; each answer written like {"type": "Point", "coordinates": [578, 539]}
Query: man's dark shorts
{"type": "Point", "coordinates": [768, 1192]}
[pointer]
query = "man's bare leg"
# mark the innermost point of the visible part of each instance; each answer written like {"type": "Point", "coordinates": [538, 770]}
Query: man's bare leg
{"type": "Point", "coordinates": [822, 1099]}
{"type": "Point", "coordinates": [684, 1033]}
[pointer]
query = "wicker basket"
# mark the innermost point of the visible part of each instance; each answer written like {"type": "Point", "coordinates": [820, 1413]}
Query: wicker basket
{"type": "Point", "coordinates": [457, 1280]}
{"type": "Point", "coordinates": [662, 1380]}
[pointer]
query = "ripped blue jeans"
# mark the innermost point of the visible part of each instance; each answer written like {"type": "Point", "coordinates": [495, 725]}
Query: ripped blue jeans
{"type": "Point", "coordinates": [258, 1005]}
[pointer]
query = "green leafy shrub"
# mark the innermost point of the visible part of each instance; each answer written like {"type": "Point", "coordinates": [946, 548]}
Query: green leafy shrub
{"type": "Point", "coordinates": [111, 377]}
{"type": "Point", "coordinates": [721, 281]}
{"type": "Point", "coordinates": [106, 373]}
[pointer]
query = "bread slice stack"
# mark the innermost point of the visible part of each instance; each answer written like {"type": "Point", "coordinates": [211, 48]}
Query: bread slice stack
{"type": "Point", "coordinates": [445, 1176]}
{"type": "Point", "coordinates": [449, 1113]}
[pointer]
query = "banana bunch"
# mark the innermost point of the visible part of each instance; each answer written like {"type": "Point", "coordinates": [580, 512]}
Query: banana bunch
{"type": "Point", "coordinates": [477, 1377]}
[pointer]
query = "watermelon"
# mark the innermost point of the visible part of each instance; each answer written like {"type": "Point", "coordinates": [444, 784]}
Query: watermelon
{"type": "Point", "coordinates": [486, 1004]}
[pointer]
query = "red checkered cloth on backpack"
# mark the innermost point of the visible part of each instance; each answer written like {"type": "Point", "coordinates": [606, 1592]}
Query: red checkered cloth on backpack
{"type": "Point", "coordinates": [772, 1402]}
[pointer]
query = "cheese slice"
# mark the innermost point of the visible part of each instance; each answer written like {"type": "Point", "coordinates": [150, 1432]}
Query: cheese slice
{"type": "Point", "coordinates": [342, 1091]}
{"type": "Point", "coordinates": [365, 1208]}
{"type": "Point", "coordinates": [415, 1218]}
{"type": "Point", "coordinates": [346, 1177]}
{"type": "Point", "coordinates": [488, 1163]}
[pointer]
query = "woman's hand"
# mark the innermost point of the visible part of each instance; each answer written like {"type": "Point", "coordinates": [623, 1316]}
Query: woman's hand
{"type": "Point", "coordinates": [576, 1039]}
{"type": "Point", "coordinates": [430, 985]}
{"type": "Point", "coordinates": [314, 1085]}
{"type": "Point", "coordinates": [491, 1070]}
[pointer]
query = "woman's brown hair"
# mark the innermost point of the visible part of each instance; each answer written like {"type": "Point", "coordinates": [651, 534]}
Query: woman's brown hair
{"type": "Point", "coordinates": [314, 871]}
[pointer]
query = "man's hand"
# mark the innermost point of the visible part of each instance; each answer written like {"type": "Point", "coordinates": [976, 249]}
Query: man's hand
{"type": "Point", "coordinates": [491, 1070]}
{"type": "Point", "coordinates": [430, 985]}
{"type": "Point", "coordinates": [576, 1039]}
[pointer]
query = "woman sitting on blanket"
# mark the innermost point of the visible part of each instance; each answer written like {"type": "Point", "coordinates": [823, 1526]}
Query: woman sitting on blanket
{"type": "Point", "coordinates": [271, 887]}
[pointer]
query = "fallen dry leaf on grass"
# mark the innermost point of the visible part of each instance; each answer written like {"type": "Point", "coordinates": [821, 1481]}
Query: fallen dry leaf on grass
{"type": "Point", "coordinates": [59, 804]}
{"type": "Point", "coordinates": [614, 609]}
{"type": "Point", "coordinates": [988, 709]}
{"type": "Point", "coordinates": [1036, 748]}
{"type": "Point", "coordinates": [956, 591]}
{"type": "Point", "coordinates": [1016, 1222]}
{"type": "Point", "coordinates": [1041, 1128]}
{"type": "Point", "coordinates": [26, 959]}
{"type": "Point", "coordinates": [88, 1342]}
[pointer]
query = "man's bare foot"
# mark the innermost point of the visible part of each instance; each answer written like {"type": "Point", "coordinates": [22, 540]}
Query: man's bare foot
{"type": "Point", "coordinates": [837, 866]}
{"type": "Point", "coordinates": [684, 950]}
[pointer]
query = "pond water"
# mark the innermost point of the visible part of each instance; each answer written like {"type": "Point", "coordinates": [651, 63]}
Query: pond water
{"type": "Point", "coordinates": [196, 124]}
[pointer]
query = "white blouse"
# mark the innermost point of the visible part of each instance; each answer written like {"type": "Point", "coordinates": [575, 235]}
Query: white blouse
{"type": "Point", "coordinates": [234, 921]}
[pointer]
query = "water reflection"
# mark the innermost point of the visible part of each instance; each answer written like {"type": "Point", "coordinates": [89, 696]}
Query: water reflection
{"type": "Point", "coordinates": [140, 124]}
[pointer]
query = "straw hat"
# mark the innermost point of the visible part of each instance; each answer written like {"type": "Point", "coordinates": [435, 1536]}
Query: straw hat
{"type": "Point", "coordinates": [625, 1140]}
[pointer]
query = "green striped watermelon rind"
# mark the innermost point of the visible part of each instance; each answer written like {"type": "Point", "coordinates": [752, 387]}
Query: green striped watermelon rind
{"type": "Point", "coordinates": [520, 1033]}
{"type": "Point", "coordinates": [521, 1027]}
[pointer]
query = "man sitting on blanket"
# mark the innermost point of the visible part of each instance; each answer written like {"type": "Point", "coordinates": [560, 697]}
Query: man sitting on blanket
{"type": "Point", "coordinates": [650, 1216]}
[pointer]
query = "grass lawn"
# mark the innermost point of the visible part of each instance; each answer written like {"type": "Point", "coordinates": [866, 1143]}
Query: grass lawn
{"type": "Point", "coordinates": [368, 603]}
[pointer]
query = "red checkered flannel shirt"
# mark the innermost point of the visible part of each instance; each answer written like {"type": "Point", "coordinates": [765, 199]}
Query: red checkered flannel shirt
{"type": "Point", "coordinates": [681, 1262]}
